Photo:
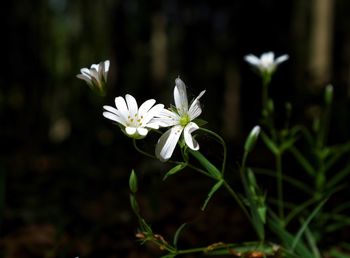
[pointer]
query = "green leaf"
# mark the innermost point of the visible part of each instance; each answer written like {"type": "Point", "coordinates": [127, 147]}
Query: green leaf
{"type": "Point", "coordinates": [287, 238]}
{"type": "Point", "coordinates": [211, 193]}
{"type": "Point", "coordinates": [177, 234]}
{"type": "Point", "coordinates": [306, 223]}
{"type": "Point", "coordinates": [133, 182]}
{"type": "Point", "coordinates": [303, 161]}
{"type": "Point", "coordinates": [262, 213]}
{"type": "Point", "coordinates": [144, 226]}
{"type": "Point", "coordinates": [200, 122]}
{"type": "Point", "coordinates": [168, 256]}
{"type": "Point", "coordinates": [338, 177]}
{"type": "Point", "coordinates": [270, 144]}
{"type": "Point", "coordinates": [174, 170]}
{"type": "Point", "coordinates": [337, 254]}
{"type": "Point", "coordinates": [299, 184]}
{"type": "Point", "coordinates": [256, 202]}
{"type": "Point", "coordinates": [213, 171]}
{"type": "Point", "coordinates": [288, 144]}
{"type": "Point", "coordinates": [312, 243]}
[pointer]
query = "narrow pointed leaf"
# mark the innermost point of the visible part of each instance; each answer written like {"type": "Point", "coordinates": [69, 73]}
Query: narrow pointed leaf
{"type": "Point", "coordinates": [211, 193]}
{"type": "Point", "coordinates": [270, 144]}
{"type": "Point", "coordinates": [177, 234]}
{"type": "Point", "coordinates": [306, 223]}
{"type": "Point", "coordinates": [206, 164]}
{"type": "Point", "coordinates": [174, 170]}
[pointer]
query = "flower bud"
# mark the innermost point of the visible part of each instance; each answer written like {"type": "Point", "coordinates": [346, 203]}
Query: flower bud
{"type": "Point", "coordinates": [133, 182]}
{"type": "Point", "coordinates": [328, 94]}
{"type": "Point", "coordinates": [252, 138]}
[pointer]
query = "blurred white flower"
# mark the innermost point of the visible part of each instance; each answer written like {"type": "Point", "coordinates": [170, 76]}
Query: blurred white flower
{"type": "Point", "coordinates": [135, 121]}
{"type": "Point", "coordinates": [266, 63]}
{"type": "Point", "coordinates": [96, 76]}
{"type": "Point", "coordinates": [181, 120]}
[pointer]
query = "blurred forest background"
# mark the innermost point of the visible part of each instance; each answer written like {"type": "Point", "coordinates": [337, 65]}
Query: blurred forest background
{"type": "Point", "coordinates": [64, 168]}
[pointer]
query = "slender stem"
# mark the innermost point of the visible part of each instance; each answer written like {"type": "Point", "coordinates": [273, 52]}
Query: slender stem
{"type": "Point", "coordinates": [279, 185]}
{"type": "Point", "coordinates": [223, 143]}
{"type": "Point", "coordinates": [237, 199]}
{"type": "Point", "coordinates": [266, 78]}
{"type": "Point", "coordinates": [198, 170]}
{"type": "Point", "coordinates": [141, 151]}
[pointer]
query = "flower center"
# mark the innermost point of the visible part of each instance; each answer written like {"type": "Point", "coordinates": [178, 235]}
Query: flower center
{"type": "Point", "coordinates": [184, 120]}
{"type": "Point", "coordinates": [134, 121]}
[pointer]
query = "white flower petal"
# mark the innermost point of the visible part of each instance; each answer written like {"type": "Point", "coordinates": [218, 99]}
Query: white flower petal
{"type": "Point", "coordinates": [105, 70]}
{"type": "Point", "coordinates": [132, 105]}
{"type": "Point", "coordinates": [86, 72]}
{"type": "Point", "coordinates": [195, 108]}
{"type": "Point", "coordinates": [106, 65]}
{"type": "Point", "coordinates": [180, 96]}
{"type": "Point", "coordinates": [167, 118]}
{"type": "Point", "coordinates": [154, 124]}
{"type": "Point", "coordinates": [253, 60]}
{"type": "Point", "coordinates": [267, 57]}
{"type": "Point", "coordinates": [94, 74]}
{"type": "Point", "coordinates": [146, 106]}
{"type": "Point", "coordinates": [121, 106]}
{"type": "Point", "coordinates": [281, 59]}
{"type": "Point", "coordinates": [167, 143]}
{"type": "Point", "coordinates": [85, 78]}
{"type": "Point", "coordinates": [130, 130]}
{"type": "Point", "coordinates": [190, 141]}
{"type": "Point", "coordinates": [154, 111]}
{"type": "Point", "coordinates": [142, 131]}
{"type": "Point", "coordinates": [112, 110]}
{"type": "Point", "coordinates": [114, 117]}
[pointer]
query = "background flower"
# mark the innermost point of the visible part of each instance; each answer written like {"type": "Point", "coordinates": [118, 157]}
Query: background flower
{"type": "Point", "coordinates": [96, 76]}
{"type": "Point", "coordinates": [266, 63]}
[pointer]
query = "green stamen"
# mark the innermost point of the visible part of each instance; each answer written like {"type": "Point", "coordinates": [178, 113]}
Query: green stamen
{"type": "Point", "coordinates": [184, 120]}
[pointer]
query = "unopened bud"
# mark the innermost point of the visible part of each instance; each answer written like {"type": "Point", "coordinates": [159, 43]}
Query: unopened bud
{"type": "Point", "coordinates": [133, 182]}
{"type": "Point", "coordinates": [328, 94]}
{"type": "Point", "coordinates": [252, 138]}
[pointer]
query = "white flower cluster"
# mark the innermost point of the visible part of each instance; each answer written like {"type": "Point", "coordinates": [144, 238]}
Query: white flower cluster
{"type": "Point", "coordinates": [136, 121]}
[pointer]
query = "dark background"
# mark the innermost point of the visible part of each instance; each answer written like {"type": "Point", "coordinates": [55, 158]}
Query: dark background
{"type": "Point", "coordinates": [64, 168]}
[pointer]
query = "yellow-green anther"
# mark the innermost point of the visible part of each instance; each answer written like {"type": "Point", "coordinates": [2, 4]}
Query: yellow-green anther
{"type": "Point", "coordinates": [184, 120]}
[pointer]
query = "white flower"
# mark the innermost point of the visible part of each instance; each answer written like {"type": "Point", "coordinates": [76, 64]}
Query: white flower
{"type": "Point", "coordinates": [266, 63]}
{"type": "Point", "coordinates": [96, 76]}
{"type": "Point", "coordinates": [180, 120]}
{"type": "Point", "coordinates": [135, 121]}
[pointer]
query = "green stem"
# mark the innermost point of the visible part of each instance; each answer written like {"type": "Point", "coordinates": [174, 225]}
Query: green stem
{"type": "Point", "coordinates": [265, 90]}
{"type": "Point", "coordinates": [320, 179]}
{"type": "Point", "coordinates": [279, 185]}
{"type": "Point", "coordinates": [141, 151]}
{"type": "Point", "coordinates": [198, 170]}
{"type": "Point", "coordinates": [223, 143]}
{"type": "Point", "coordinates": [237, 199]}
